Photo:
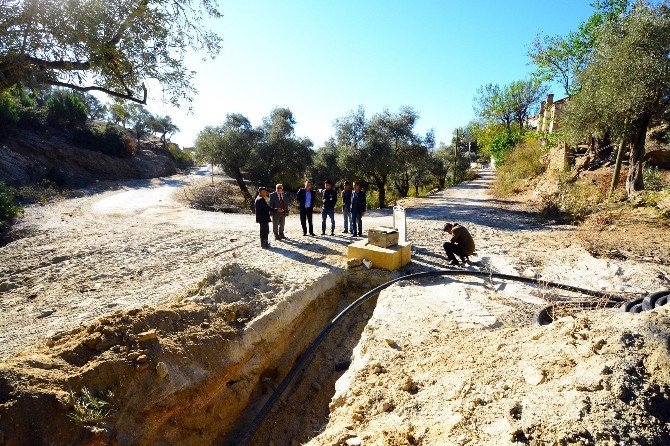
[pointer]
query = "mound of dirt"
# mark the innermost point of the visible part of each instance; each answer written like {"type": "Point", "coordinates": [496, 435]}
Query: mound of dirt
{"type": "Point", "coordinates": [598, 378]}
{"type": "Point", "coordinates": [27, 158]}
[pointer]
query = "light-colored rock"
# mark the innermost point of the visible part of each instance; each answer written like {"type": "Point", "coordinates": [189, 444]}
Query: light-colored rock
{"type": "Point", "coordinates": [147, 335]}
{"type": "Point", "coordinates": [353, 263]}
{"type": "Point", "coordinates": [533, 375]}
{"type": "Point", "coordinates": [162, 369]}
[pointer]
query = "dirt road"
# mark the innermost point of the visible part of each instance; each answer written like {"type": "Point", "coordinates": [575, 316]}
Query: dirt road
{"type": "Point", "coordinates": [138, 245]}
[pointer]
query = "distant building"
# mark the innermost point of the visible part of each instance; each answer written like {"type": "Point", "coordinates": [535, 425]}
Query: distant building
{"type": "Point", "coordinates": [547, 119]}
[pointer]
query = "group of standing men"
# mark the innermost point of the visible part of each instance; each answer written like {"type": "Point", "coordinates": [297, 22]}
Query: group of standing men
{"type": "Point", "coordinates": [353, 208]}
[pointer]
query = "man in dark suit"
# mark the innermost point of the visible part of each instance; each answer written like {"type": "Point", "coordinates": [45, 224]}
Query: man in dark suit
{"type": "Point", "coordinates": [279, 211]}
{"type": "Point", "coordinates": [306, 200]}
{"type": "Point", "coordinates": [358, 207]}
{"type": "Point", "coordinates": [263, 216]}
{"type": "Point", "coordinates": [346, 205]}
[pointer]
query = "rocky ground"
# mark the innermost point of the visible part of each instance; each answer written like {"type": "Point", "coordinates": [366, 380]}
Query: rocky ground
{"type": "Point", "coordinates": [95, 275]}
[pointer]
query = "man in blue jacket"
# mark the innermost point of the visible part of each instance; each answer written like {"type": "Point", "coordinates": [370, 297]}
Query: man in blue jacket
{"type": "Point", "coordinates": [358, 206]}
{"type": "Point", "coordinates": [306, 199]}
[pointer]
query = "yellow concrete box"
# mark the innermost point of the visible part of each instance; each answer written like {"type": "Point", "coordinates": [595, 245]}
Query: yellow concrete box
{"type": "Point", "coordinates": [390, 258]}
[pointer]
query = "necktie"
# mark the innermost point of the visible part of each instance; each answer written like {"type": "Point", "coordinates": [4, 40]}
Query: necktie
{"type": "Point", "coordinates": [281, 202]}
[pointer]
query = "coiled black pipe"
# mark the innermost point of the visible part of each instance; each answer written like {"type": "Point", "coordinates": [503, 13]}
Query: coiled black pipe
{"type": "Point", "coordinates": [305, 359]}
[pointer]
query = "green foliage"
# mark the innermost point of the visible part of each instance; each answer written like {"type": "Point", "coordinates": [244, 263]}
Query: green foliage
{"type": "Point", "coordinates": [9, 210]}
{"type": "Point", "coordinates": [462, 164]}
{"type": "Point", "coordinates": [113, 47]}
{"type": "Point", "coordinates": [575, 199]}
{"type": "Point", "coordinates": [89, 408]}
{"type": "Point", "coordinates": [521, 163]}
{"type": "Point", "coordinates": [163, 126]}
{"type": "Point", "coordinates": [509, 103]}
{"type": "Point", "coordinates": [561, 59]}
{"type": "Point", "coordinates": [626, 85]}
{"type": "Point", "coordinates": [325, 165]}
{"type": "Point", "coordinates": [34, 118]}
{"type": "Point", "coordinates": [382, 150]}
{"type": "Point", "coordinates": [502, 142]}
{"type": "Point", "coordinates": [96, 110]}
{"type": "Point", "coordinates": [183, 158]}
{"type": "Point", "coordinates": [9, 111]}
{"type": "Point", "coordinates": [109, 140]}
{"type": "Point", "coordinates": [65, 110]}
{"type": "Point", "coordinates": [653, 179]}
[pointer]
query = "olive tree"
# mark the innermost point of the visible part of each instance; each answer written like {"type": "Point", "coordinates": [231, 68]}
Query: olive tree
{"type": "Point", "coordinates": [108, 46]}
{"type": "Point", "coordinates": [627, 84]}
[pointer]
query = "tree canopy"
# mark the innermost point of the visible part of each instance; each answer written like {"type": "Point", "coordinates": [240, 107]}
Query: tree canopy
{"type": "Point", "coordinates": [561, 58]}
{"type": "Point", "coordinates": [510, 103]}
{"type": "Point", "coordinates": [627, 83]}
{"type": "Point", "coordinates": [112, 46]}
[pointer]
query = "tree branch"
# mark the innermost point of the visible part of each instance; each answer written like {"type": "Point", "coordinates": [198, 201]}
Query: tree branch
{"type": "Point", "coordinates": [127, 96]}
{"type": "Point", "coordinates": [126, 23]}
{"type": "Point", "coordinates": [67, 65]}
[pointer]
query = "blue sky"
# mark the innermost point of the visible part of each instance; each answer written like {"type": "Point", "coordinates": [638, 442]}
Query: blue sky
{"type": "Point", "coordinates": [324, 58]}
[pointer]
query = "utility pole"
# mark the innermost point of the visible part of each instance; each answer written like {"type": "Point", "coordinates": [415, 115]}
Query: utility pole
{"type": "Point", "coordinates": [453, 175]}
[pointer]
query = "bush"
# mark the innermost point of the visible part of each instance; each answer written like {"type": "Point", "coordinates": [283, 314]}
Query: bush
{"type": "Point", "coordinates": [66, 110]}
{"type": "Point", "coordinates": [33, 118]}
{"type": "Point", "coordinates": [503, 143]}
{"type": "Point", "coordinates": [652, 178]}
{"type": "Point", "coordinates": [575, 199]}
{"type": "Point", "coordinates": [521, 164]}
{"type": "Point", "coordinates": [183, 158]}
{"type": "Point", "coordinates": [9, 111]}
{"type": "Point", "coordinates": [111, 141]}
{"type": "Point", "coordinates": [218, 197]}
{"type": "Point", "coordinates": [9, 210]}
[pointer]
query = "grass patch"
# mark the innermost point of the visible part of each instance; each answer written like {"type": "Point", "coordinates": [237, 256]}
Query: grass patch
{"type": "Point", "coordinates": [9, 209]}
{"type": "Point", "coordinates": [89, 408]}
{"type": "Point", "coordinates": [521, 164]}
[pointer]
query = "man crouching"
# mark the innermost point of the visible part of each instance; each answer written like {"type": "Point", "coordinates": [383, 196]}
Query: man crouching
{"type": "Point", "coordinates": [461, 243]}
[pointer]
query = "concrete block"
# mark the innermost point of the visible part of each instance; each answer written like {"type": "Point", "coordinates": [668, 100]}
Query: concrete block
{"type": "Point", "coordinates": [390, 258]}
{"type": "Point", "coordinates": [383, 236]}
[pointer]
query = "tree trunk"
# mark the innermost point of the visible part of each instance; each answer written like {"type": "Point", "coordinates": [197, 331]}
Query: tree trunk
{"type": "Point", "coordinates": [617, 168]}
{"type": "Point", "coordinates": [443, 181]}
{"type": "Point", "coordinates": [243, 188]}
{"type": "Point", "coordinates": [416, 189]}
{"type": "Point", "coordinates": [634, 180]}
{"type": "Point", "coordinates": [381, 186]}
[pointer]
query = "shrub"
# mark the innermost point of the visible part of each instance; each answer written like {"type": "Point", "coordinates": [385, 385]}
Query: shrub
{"type": "Point", "coordinates": [575, 199]}
{"type": "Point", "coordinates": [521, 164]}
{"type": "Point", "coordinates": [9, 111]}
{"type": "Point", "coordinates": [66, 110]}
{"type": "Point", "coordinates": [652, 178]}
{"type": "Point", "coordinates": [219, 197]}
{"type": "Point", "coordinates": [32, 118]}
{"type": "Point", "coordinates": [9, 210]}
{"type": "Point", "coordinates": [503, 143]}
{"type": "Point", "coordinates": [183, 158]}
{"type": "Point", "coordinates": [111, 141]}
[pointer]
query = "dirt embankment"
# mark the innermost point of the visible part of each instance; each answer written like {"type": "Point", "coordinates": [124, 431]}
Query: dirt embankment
{"type": "Point", "coordinates": [27, 158]}
{"type": "Point", "coordinates": [441, 362]}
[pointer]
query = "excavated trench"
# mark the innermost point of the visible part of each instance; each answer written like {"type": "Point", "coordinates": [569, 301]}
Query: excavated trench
{"type": "Point", "coordinates": [184, 376]}
{"type": "Point", "coordinates": [302, 412]}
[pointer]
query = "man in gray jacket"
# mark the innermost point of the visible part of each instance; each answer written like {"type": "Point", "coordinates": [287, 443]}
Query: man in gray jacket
{"type": "Point", "coordinates": [279, 208]}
